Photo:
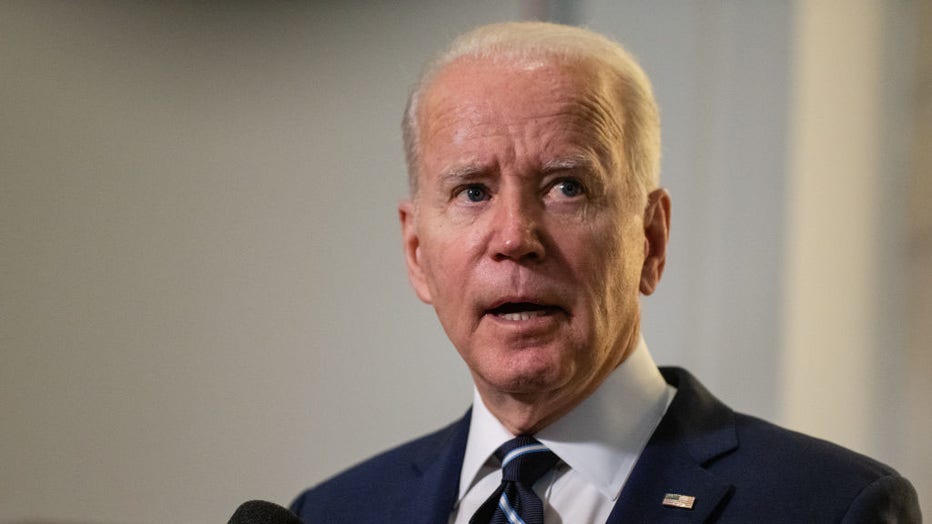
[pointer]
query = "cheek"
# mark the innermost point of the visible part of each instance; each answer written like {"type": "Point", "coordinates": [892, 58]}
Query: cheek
{"type": "Point", "coordinates": [444, 270]}
{"type": "Point", "coordinates": [610, 274]}
{"type": "Point", "coordinates": [450, 249]}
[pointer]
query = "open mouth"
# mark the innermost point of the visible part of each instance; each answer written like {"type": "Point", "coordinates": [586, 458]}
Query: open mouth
{"type": "Point", "coordinates": [522, 310]}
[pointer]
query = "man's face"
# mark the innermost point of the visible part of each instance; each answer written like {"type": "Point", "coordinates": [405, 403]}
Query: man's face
{"type": "Point", "coordinates": [522, 235]}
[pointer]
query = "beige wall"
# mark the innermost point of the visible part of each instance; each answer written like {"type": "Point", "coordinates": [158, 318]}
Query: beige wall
{"type": "Point", "coordinates": [856, 334]}
{"type": "Point", "coordinates": [202, 293]}
{"type": "Point", "coordinates": [834, 222]}
{"type": "Point", "coordinates": [916, 428]}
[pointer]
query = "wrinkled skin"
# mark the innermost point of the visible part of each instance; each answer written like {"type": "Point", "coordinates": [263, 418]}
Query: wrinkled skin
{"type": "Point", "coordinates": [523, 235]}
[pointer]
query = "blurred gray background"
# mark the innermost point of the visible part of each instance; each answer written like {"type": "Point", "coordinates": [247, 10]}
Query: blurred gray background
{"type": "Point", "coordinates": [202, 292]}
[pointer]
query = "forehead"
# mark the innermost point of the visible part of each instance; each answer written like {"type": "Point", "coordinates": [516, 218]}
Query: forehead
{"type": "Point", "coordinates": [558, 105]}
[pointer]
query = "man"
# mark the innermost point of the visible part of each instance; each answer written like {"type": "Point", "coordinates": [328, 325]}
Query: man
{"type": "Point", "coordinates": [535, 222]}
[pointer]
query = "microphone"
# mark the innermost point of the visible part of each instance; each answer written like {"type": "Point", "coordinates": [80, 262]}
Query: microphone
{"type": "Point", "coordinates": [262, 512]}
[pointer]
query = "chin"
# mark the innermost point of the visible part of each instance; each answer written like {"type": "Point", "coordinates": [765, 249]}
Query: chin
{"type": "Point", "coordinates": [532, 377]}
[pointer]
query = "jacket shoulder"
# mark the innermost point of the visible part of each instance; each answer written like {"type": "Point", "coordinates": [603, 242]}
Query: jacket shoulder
{"type": "Point", "coordinates": [382, 480]}
{"type": "Point", "coordinates": [779, 475]}
{"type": "Point", "coordinates": [810, 475]}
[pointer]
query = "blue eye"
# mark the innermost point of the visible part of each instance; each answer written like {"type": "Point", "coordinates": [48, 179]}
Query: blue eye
{"type": "Point", "coordinates": [570, 188]}
{"type": "Point", "coordinates": [476, 193]}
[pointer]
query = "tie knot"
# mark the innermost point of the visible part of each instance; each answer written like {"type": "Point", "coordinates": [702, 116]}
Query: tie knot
{"type": "Point", "coordinates": [524, 460]}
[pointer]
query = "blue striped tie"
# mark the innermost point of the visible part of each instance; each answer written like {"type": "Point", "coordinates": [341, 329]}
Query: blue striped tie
{"type": "Point", "coordinates": [524, 460]}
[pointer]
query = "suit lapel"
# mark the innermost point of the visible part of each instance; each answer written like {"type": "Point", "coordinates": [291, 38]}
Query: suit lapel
{"type": "Point", "coordinates": [696, 430]}
{"type": "Point", "coordinates": [662, 470]}
{"type": "Point", "coordinates": [438, 465]}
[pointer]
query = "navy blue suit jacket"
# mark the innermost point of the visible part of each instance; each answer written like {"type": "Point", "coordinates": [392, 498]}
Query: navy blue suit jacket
{"type": "Point", "coordinates": [739, 469]}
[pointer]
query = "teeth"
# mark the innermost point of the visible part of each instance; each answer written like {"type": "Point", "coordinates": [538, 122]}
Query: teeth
{"type": "Point", "coordinates": [522, 315]}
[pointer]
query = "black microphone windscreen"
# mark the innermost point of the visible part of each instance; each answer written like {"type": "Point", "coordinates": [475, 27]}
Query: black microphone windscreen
{"type": "Point", "coordinates": [262, 512]}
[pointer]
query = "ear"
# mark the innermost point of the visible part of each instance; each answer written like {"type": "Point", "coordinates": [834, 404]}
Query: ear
{"type": "Point", "coordinates": [411, 244]}
{"type": "Point", "coordinates": [656, 234]}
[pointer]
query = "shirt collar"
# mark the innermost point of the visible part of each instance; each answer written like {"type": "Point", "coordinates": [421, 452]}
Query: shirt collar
{"type": "Point", "coordinates": [601, 438]}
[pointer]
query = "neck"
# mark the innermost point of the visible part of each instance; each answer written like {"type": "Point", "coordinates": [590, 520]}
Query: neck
{"type": "Point", "coordinates": [527, 413]}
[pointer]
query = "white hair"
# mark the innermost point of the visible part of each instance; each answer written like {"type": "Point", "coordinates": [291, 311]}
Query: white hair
{"type": "Point", "coordinates": [522, 41]}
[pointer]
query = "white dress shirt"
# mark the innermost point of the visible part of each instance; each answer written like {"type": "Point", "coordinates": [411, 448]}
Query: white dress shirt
{"type": "Point", "coordinates": [598, 444]}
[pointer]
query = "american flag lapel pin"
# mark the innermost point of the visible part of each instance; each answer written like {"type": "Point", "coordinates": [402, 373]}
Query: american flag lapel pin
{"type": "Point", "coordinates": [679, 501]}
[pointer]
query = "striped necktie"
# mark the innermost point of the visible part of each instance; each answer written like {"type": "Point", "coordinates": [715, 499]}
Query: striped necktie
{"type": "Point", "coordinates": [524, 460]}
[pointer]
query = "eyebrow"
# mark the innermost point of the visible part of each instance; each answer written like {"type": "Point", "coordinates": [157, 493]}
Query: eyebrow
{"type": "Point", "coordinates": [572, 163]}
{"type": "Point", "coordinates": [581, 165]}
{"type": "Point", "coordinates": [462, 173]}
{"type": "Point", "coordinates": [468, 172]}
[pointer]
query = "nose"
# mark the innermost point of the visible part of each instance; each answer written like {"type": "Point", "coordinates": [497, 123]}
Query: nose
{"type": "Point", "coordinates": [516, 232]}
